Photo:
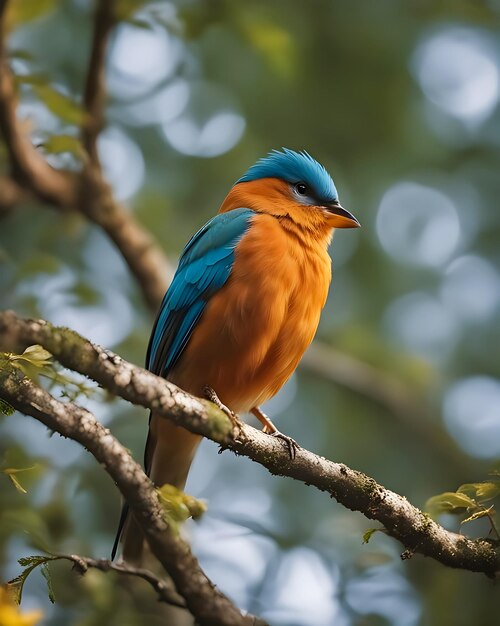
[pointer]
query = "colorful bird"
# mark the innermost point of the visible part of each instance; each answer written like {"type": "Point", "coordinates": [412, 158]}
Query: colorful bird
{"type": "Point", "coordinates": [243, 306]}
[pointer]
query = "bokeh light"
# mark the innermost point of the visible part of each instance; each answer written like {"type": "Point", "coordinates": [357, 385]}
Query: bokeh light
{"type": "Point", "coordinates": [417, 224]}
{"type": "Point", "coordinates": [472, 415]}
{"type": "Point", "coordinates": [422, 324]}
{"type": "Point", "coordinates": [458, 71]}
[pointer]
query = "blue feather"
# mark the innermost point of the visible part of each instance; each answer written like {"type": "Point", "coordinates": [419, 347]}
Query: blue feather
{"type": "Point", "coordinates": [294, 167]}
{"type": "Point", "coordinates": [204, 268]}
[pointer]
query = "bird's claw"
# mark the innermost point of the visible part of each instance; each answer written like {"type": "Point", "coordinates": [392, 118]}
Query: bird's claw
{"type": "Point", "coordinates": [291, 444]}
{"type": "Point", "coordinates": [211, 395]}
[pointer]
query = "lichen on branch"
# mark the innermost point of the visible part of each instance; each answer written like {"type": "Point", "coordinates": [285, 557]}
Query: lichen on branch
{"type": "Point", "coordinates": [356, 491]}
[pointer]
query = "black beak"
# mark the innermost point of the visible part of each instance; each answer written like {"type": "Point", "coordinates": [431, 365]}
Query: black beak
{"type": "Point", "coordinates": [336, 208]}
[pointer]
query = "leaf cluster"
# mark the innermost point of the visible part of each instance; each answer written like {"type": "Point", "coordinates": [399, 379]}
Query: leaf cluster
{"type": "Point", "coordinates": [179, 506]}
{"type": "Point", "coordinates": [470, 499]}
{"type": "Point", "coordinates": [30, 563]}
{"type": "Point", "coordinates": [36, 362]}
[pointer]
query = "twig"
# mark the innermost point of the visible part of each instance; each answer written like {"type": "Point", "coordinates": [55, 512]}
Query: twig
{"type": "Point", "coordinates": [165, 593]}
{"type": "Point", "coordinates": [95, 92]}
{"type": "Point", "coordinates": [414, 529]}
{"type": "Point", "coordinates": [208, 605]}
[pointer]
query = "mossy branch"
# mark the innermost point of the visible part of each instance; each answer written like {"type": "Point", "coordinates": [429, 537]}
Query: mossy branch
{"type": "Point", "coordinates": [208, 605]}
{"type": "Point", "coordinates": [356, 491]}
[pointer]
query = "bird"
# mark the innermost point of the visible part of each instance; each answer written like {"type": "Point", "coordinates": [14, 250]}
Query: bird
{"type": "Point", "coordinates": [243, 306]}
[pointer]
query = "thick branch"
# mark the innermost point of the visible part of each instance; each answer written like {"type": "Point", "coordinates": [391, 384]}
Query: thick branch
{"type": "Point", "coordinates": [28, 167]}
{"type": "Point", "coordinates": [414, 529]}
{"type": "Point", "coordinates": [141, 252]}
{"type": "Point", "coordinates": [209, 606]}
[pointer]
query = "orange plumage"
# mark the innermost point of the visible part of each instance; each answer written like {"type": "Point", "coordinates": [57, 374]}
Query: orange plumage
{"type": "Point", "coordinates": [255, 328]}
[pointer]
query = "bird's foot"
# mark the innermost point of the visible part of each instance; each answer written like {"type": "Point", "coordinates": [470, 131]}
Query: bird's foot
{"type": "Point", "coordinates": [211, 395]}
{"type": "Point", "coordinates": [291, 444]}
{"type": "Point", "coordinates": [270, 429]}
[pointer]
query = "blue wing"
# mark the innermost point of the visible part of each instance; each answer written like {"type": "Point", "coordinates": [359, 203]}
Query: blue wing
{"type": "Point", "coordinates": [204, 267]}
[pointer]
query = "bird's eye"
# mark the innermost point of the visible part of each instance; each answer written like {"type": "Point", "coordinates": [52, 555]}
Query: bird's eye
{"type": "Point", "coordinates": [301, 188]}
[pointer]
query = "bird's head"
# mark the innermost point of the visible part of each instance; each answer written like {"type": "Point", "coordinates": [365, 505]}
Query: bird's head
{"type": "Point", "coordinates": [294, 186]}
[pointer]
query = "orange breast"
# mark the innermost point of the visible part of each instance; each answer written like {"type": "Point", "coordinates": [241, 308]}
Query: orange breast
{"type": "Point", "coordinates": [254, 331]}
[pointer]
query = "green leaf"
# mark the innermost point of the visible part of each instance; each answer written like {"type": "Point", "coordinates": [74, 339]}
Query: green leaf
{"type": "Point", "coordinates": [449, 502]}
{"type": "Point", "coordinates": [46, 574]}
{"type": "Point", "coordinates": [125, 9]}
{"type": "Point", "coordinates": [23, 55]}
{"type": "Point", "coordinates": [32, 361]}
{"type": "Point", "coordinates": [34, 560]}
{"type": "Point", "coordinates": [10, 472]}
{"type": "Point", "coordinates": [274, 43]}
{"type": "Point", "coordinates": [367, 535]}
{"type": "Point", "coordinates": [26, 10]}
{"type": "Point", "coordinates": [482, 491]}
{"type": "Point", "coordinates": [31, 79]}
{"type": "Point", "coordinates": [16, 585]}
{"type": "Point", "coordinates": [178, 506]}
{"type": "Point", "coordinates": [478, 514]}
{"type": "Point", "coordinates": [16, 483]}
{"type": "Point", "coordinates": [5, 408]}
{"type": "Point", "coordinates": [37, 355]}
{"type": "Point", "coordinates": [64, 143]}
{"type": "Point", "coordinates": [138, 23]}
{"type": "Point", "coordinates": [60, 104]}
{"type": "Point", "coordinates": [36, 361]}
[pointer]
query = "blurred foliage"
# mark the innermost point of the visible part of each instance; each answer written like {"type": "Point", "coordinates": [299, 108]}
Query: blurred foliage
{"type": "Point", "coordinates": [399, 100]}
{"type": "Point", "coordinates": [11, 615]}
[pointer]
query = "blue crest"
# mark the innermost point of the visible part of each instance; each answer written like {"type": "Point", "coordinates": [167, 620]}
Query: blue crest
{"type": "Point", "coordinates": [294, 167]}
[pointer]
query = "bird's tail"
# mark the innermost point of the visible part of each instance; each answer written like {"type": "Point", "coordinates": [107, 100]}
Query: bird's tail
{"type": "Point", "coordinates": [168, 456]}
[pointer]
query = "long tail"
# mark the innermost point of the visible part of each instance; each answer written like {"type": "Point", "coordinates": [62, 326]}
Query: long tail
{"type": "Point", "coordinates": [168, 456]}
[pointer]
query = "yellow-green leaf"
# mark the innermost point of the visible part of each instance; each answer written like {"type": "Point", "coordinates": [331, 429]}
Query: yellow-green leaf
{"type": "Point", "coordinates": [478, 514]}
{"type": "Point", "coordinates": [5, 408]}
{"type": "Point", "coordinates": [449, 502]}
{"type": "Point", "coordinates": [32, 361]}
{"type": "Point", "coordinates": [64, 143]}
{"type": "Point", "coordinates": [11, 473]}
{"type": "Point", "coordinates": [179, 506]}
{"type": "Point", "coordinates": [482, 491]}
{"type": "Point", "coordinates": [37, 355]}
{"type": "Point", "coordinates": [274, 43]}
{"type": "Point", "coordinates": [60, 104]}
{"type": "Point", "coordinates": [23, 11]}
{"type": "Point", "coordinates": [16, 483]}
{"type": "Point", "coordinates": [367, 535]}
{"type": "Point", "coordinates": [125, 9]}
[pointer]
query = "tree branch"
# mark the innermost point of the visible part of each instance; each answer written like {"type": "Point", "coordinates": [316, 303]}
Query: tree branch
{"type": "Point", "coordinates": [208, 605]}
{"type": "Point", "coordinates": [358, 492]}
{"type": "Point", "coordinates": [95, 93]}
{"type": "Point", "coordinates": [88, 192]}
{"type": "Point", "coordinates": [10, 194]}
{"type": "Point", "coordinates": [28, 167]}
{"type": "Point", "coordinates": [165, 593]}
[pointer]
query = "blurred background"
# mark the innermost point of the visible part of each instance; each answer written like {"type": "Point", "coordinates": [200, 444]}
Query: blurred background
{"type": "Point", "coordinates": [400, 102]}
